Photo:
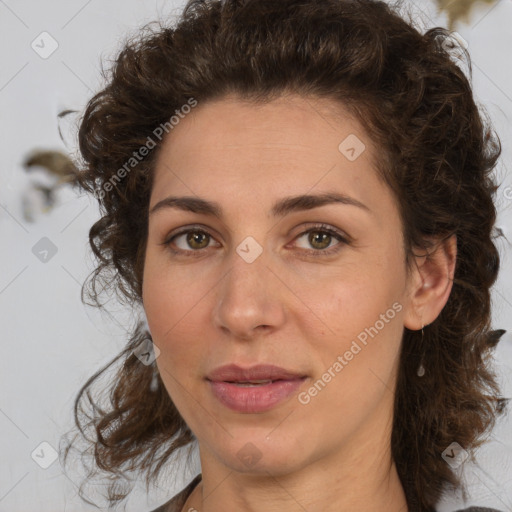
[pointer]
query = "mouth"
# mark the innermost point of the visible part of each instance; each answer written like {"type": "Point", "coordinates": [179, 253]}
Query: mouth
{"type": "Point", "coordinates": [253, 390]}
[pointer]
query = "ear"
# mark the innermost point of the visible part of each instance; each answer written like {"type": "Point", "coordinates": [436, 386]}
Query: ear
{"type": "Point", "coordinates": [430, 284]}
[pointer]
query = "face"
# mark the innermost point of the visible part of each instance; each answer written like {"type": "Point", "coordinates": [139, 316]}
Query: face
{"type": "Point", "coordinates": [317, 289]}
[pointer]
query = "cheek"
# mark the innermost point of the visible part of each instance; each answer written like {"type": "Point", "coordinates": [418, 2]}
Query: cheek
{"type": "Point", "coordinates": [177, 329]}
{"type": "Point", "coordinates": [174, 315]}
{"type": "Point", "coordinates": [357, 362]}
{"type": "Point", "coordinates": [358, 338]}
{"type": "Point", "coordinates": [170, 296]}
{"type": "Point", "coordinates": [347, 303]}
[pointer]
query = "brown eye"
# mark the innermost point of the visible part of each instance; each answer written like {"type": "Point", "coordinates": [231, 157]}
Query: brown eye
{"type": "Point", "coordinates": [188, 242]}
{"type": "Point", "coordinates": [319, 237]}
{"type": "Point", "coordinates": [197, 237]}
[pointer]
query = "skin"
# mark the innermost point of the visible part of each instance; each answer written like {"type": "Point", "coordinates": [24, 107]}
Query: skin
{"type": "Point", "coordinates": [286, 308]}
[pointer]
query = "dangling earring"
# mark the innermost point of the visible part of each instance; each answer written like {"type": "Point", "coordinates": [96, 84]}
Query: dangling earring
{"type": "Point", "coordinates": [153, 386]}
{"type": "Point", "coordinates": [421, 368]}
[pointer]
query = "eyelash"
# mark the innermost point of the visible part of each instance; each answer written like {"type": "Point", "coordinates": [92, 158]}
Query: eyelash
{"type": "Point", "coordinates": [320, 228]}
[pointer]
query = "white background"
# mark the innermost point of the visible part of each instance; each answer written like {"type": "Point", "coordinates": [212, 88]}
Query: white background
{"type": "Point", "coordinates": [51, 342]}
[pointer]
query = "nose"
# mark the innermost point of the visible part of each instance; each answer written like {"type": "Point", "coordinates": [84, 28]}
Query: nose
{"type": "Point", "coordinates": [249, 299]}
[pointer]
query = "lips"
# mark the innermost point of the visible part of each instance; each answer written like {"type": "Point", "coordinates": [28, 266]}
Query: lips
{"type": "Point", "coordinates": [258, 374]}
{"type": "Point", "coordinates": [256, 389]}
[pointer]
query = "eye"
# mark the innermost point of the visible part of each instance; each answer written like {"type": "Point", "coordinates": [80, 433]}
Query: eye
{"type": "Point", "coordinates": [192, 241]}
{"type": "Point", "coordinates": [320, 237]}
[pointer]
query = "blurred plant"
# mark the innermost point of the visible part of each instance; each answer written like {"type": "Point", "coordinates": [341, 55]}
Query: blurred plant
{"type": "Point", "coordinates": [458, 10]}
{"type": "Point", "coordinates": [49, 170]}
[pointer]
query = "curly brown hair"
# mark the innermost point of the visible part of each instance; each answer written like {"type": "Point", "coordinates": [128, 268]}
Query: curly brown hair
{"type": "Point", "coordinates": [437, 154]}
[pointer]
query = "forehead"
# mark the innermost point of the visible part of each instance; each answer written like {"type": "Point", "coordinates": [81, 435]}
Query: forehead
{"type": "Point", "coordinates": [291, 145]}
{"type": "Point", "coordinates": [296, 122]}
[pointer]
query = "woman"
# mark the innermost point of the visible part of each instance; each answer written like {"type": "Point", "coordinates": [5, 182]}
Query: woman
{"type": "Point", "coordinates": [298, 195]}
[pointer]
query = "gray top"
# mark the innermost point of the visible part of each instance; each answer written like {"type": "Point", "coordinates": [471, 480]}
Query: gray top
{"type": "Point", "coordinates": [176, 503]}
{"type": "Point", "coordinates": [478, 509]}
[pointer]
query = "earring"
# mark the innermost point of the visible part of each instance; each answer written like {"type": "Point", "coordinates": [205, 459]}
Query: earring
{"type": "Point", "coordinates": [153, 386]}
{"type": "Point", "coordinates": [421, 368]}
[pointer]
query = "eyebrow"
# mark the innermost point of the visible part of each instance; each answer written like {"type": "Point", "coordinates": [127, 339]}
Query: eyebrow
{"type": "Point", "coordinates": [279, 209]}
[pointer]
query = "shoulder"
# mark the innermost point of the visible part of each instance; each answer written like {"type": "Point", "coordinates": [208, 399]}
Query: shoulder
{"type": "Point", "coordinates": [176, 503]}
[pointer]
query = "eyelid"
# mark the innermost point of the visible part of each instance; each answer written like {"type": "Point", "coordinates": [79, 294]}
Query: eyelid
{"type": "Point", "coordinates": [322, 226]}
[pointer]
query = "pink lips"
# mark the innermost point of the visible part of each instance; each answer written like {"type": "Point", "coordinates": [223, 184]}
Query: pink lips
{"type": "Point", "coordinates": [225, 383]}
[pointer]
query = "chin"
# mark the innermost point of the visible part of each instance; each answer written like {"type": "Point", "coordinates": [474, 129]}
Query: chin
{"type": "Point", "coordinates": [254, 454]}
